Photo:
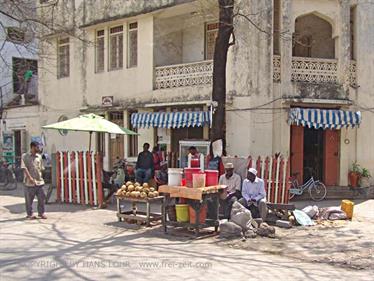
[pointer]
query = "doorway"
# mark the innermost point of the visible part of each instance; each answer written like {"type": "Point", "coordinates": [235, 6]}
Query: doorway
{"type": "Point", "coordinates": [313, 154]}
{"type": "Point", "coordinates": [116, 142]}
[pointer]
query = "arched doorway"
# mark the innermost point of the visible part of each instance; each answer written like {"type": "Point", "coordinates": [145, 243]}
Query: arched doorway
{"type": "Point", "coordinates": [313, 38]}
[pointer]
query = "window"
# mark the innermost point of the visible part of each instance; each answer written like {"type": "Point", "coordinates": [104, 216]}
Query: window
{"type": "Point", "coordinates": [353, 31]}
{"type": "Point", "coordinates": [25, 73]}
{"type": "Point", "coordinates": [15, 35]}
{"type": "Point", "coordinates": [116, 47]}
{"type": "Point", "coordinates": [99, 66]}
{"type": "Point", "coordinates": [132, 59]}
{"type": "Point", "coordinates": [63, 58]}
{"type": "Point", "coordinates": [276, 27]}
{"type": "Point", "coordinates": [211, 32]}
{"type": "Point", "coordinates": [132, 140]}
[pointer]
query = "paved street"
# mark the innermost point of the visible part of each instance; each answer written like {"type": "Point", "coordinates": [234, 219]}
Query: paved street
{"type": "Point", "coordinates": [80, 243]}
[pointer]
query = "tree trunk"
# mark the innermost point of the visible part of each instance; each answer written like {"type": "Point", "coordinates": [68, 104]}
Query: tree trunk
{"type": "Point", "coordinates": [222, 45]}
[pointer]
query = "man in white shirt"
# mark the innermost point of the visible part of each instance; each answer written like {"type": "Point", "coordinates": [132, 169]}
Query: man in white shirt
{"type": "Point", "coordinates": [254, 195]}
{"type": "Point", "coordinates": [233, 183]}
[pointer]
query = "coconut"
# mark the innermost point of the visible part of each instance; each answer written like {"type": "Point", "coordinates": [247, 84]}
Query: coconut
{"type": "Point", "coordinates": [152, 189]}
{"type": "Point", "coordinates": [143, 195]}
{"type": "Point", "coordinates": [131, 188]}
{"type": "Point", "coordinates": [137, 184]}
{"type": "Point", "coordinates": [146, 190]}
{"type": "Point", "coordinates": [145, 185]}
{"type": "Point", "coordinates": [129, 183]}
{"type": "Point", "coordinates": [128, 194]}
{"type": "Point", "coordinates": [155, 194]}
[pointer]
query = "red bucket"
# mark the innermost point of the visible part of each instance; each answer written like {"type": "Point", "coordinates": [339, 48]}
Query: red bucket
{"type": "Point", "coordinates": [188, 175]}
{"type": "Point", "coordinates": [211, 177]}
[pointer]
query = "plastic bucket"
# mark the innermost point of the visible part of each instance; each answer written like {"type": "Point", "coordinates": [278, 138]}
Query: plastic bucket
{"type": "Point", "coordinates": [211, 177]}
{"type": "Point", "coordinates": [174, 176]}
{"type": "Point", "coordinates": [202, 217]}
{"type": "Point", "coordinates": [198, 180]}
{"type": "Point", "coordinates": [347, 206]}
{"type": "Point", "coordinates": [182, 213]}
{"type": "Point", "coordinates": [188, 172]}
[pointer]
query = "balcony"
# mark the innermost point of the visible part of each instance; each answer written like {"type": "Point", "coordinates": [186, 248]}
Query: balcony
{"type": "Point", "coordinates": [313, 70]}
{"type": "Point", "coordinates": [182, 75]}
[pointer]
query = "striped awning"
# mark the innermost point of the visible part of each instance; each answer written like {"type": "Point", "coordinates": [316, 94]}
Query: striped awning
{"type": "Point", "coordinates": [324, 118]}
{"type": "Point", "coordinates": [178, 119]}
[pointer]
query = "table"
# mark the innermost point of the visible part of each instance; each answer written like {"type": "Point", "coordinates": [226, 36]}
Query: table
{"type": "Point", "coordinates": [196, 198]}
{"type": "Point", "coordinates": [140, 216]}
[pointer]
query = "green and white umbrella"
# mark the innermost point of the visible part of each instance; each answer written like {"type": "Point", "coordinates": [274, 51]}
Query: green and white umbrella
{"type": "Point", "coordinates": [91, 123]}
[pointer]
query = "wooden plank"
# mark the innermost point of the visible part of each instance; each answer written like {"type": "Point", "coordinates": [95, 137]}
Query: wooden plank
{"type": "Point", "coordinates": [58, 176]}
{"type": "Point", "coordinates": [89, 177]}
{"type": "Point", "coordinates": [98, 178]}
{"type": "Point", "coordinates": [190, 193]}
{"type": "Point", "coordinates": [66, 185]}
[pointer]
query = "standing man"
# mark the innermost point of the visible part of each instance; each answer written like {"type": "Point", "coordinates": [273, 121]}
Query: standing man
{"type": "Point", "coordinates": [144, 165]}
{"type": "Point", "coordinates": [233, 183]}
{"type": "Point", "coordinates": [254, 195]}
{"type": "Point", "coordinates": [32, 165]}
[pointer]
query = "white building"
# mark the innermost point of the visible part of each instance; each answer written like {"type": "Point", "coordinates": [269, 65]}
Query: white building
{"type": "Point", "coordinates": [18, 94]}
{"type": "Point", "coordinates": [156, 56]}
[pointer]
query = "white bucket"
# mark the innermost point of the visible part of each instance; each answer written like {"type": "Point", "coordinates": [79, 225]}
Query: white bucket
{"type": "Point", "coordinates": [175, 176]}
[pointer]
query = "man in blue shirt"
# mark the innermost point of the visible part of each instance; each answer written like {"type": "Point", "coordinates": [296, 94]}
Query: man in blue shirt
{"type": "Point", "coordinates": [254, 195]}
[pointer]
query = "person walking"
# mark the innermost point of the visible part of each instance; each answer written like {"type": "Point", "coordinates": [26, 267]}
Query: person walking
{"type": "Point", "coordinates": [32, 165]}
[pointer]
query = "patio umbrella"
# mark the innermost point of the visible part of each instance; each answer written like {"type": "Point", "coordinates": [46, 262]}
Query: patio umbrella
{"type": "Point", "coordinates": [90, 123]}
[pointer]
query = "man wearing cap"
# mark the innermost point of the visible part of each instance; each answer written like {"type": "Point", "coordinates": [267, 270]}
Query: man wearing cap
{"type": "Point", "coordinates": [254, 195]}
{"type": "Point", "coordinates": [233, 183]}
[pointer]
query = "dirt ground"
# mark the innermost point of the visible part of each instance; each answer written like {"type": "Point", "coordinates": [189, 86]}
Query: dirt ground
{"type": "Point", "coordinates": [347, 244]}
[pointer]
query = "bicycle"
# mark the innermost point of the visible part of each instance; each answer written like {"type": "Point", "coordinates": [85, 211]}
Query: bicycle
{"type": "Point", "coordinates": [317, 190]}
{"type": "Point", "coordinates": [8, 179]}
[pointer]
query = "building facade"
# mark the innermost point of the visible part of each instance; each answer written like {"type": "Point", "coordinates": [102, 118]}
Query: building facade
{"type": "Point", "coordinates": [147, 65]}
{"type": "Point", "coordinates": [19, 112]}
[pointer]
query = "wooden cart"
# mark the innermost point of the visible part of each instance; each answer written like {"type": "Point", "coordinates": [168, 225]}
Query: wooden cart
{"type": "Point", "coordinates": [196, 198]}
{"type": "Point", "coordinates": [140, 216]}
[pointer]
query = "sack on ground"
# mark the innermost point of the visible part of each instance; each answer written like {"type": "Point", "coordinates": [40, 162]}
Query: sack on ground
{"type": "Point", "coordinates": [241, 216]}
{"type": "Point", "coordinates": [266, 230]}
{"type": "Point", "coordinates": [229, 229]}
{"type": "Point", "coordinates": [311, 211]}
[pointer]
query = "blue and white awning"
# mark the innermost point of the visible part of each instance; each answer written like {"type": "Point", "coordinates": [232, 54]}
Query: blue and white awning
{"type": "Point", "coordinates": [179, 119]}
{"type": "Point", "coordinates": [324, 118]}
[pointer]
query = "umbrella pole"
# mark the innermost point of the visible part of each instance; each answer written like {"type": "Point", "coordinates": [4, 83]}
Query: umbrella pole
{"type": "Point", "coordinates": [89, 144]}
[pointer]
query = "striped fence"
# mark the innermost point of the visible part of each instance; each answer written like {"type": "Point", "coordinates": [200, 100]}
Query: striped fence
{"type": "Point", "coordinates": [275, 172]}
{"type": "Point", "coordinates": [79, 177]}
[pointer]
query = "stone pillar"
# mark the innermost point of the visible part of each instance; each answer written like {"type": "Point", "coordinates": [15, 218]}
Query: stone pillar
{"type": "Point", "coordinates": [286, 46]}
{"type": "Point", "coordinates": [344, 43]}
{"type": "Point", "coordinates": [286, 70]}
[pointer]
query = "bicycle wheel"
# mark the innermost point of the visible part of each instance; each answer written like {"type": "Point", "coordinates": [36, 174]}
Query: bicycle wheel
{"type": "Point", "coordinates": [291, 195]}
{"type": "Point", "coordinates": [317, 191]}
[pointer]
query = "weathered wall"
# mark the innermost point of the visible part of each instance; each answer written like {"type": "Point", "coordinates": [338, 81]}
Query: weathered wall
{"type": "Point", "coordinates": [365, 93]}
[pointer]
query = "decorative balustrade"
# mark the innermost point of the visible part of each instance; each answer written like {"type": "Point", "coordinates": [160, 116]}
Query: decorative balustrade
{"type": "Point", "coordinates": [181, 75]}
{"type": "Point", "coordinates": [352, 74]}
{"type": "Point", "coordinates": [314, 70]}
{"type": "Point", "coordinates": [276, 68]}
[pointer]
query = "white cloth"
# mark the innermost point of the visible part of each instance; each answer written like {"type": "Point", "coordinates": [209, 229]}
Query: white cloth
{"type": "Point", "coordinates": [233, 183]}
{"type": "Point", "coordinates": [255, 190]}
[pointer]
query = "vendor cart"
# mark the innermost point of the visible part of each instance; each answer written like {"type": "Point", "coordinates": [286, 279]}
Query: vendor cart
{"type": "Point", "coordinates": [132, 213]}
{"type": "Point", "coordinates": [196, 198]}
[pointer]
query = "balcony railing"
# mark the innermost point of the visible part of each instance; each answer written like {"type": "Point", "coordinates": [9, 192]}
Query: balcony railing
{"type": "Point", "coordinates": [313, 70]}
{"type": "Point", "coordinates": [181, 75]}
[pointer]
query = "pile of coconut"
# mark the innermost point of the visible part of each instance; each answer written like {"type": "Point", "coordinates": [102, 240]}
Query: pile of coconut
{"type": "Point", "coordinates": [136, 190]}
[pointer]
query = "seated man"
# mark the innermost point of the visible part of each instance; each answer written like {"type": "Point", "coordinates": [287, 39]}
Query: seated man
{"type": "Point", "coordinates": [144, 165]}
{"type": "Point", "coordinates": [233, 183]}
{"type": "Point", "coordinates": [162, 175]}
{"type": "Point", "coordinates": [254, 195]}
